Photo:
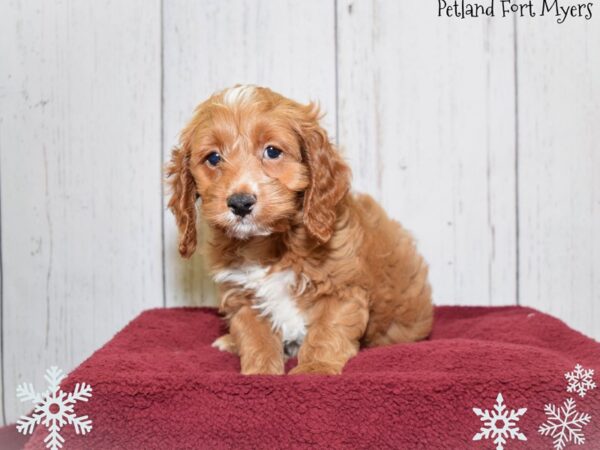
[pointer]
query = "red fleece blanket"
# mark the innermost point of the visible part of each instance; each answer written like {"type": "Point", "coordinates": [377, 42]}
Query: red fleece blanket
{"type": "Point", "coordinates": [160, 384]}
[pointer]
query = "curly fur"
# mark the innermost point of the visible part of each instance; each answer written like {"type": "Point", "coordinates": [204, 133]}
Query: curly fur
{"type": "Point", "coordinates": [353, 275]}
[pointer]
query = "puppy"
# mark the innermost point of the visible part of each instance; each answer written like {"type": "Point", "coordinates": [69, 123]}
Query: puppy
{"type": "Point", "coordinates": [303, 266]}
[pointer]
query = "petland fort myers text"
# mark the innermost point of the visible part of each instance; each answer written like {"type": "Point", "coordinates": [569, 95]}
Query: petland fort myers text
{"type": "Point", "coordinates": [562, 11]}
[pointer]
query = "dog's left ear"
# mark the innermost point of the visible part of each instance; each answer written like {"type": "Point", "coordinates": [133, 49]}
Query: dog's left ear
{"type": "Point", "coordinates": [329, 177]}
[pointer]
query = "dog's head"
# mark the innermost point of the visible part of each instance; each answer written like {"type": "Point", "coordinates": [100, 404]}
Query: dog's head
{"type": "Point", "coordinates": [257, 161]}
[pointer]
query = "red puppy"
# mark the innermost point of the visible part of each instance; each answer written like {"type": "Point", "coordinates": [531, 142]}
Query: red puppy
{"type": "Point", "coordinates": [303, 265]}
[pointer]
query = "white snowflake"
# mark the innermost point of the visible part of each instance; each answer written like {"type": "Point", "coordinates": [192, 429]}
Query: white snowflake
{"type": "Point", "coordinates": [564, 424]}
{"type": "Point", "coordinates": [580, 380]}
{"type": "Point", "coordinates": [54, 408]}
{"type": "Point", "coordinates": [499, 424]}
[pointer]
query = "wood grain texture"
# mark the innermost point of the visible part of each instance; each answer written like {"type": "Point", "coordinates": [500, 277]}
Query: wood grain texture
{"type": "Point", "coordinates": [288, 46]}
{"type": "Point", "coordinates": [426, 118]}
{"type": "Point", "coordinates": [559, 159]}
{"type": "Point", "coordinates": [80, 179]}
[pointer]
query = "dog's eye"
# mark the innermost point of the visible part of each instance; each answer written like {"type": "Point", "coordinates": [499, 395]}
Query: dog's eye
{"type": "Point", "coordinates": [213, 159]}
{"type": "Point", "coordinates": [272, 152]}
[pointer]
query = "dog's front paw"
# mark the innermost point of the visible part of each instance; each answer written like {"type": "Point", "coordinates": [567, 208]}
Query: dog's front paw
{"type": "Point", "coordinates": [263, 370]}
{"type": "Point", "coordinates": [316, 368]}
{"type": "Point", "coordinates": [262, 366]}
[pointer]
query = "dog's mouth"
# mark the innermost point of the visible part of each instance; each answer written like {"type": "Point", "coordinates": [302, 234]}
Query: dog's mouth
{"type": "Point", "coordinates": [244, 228]}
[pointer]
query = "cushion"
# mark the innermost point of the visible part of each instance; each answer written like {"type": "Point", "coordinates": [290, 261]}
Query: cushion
{"type": "Point", "coordinates": [10, 439]}
{"type": "Point", "coordinates": [159, 384]}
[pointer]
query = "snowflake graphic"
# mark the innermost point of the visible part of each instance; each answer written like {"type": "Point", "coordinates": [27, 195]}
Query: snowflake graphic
{"type": "Point", "coordinates": [580, 380]}
{"type": "Point", "coordinates": [499, 424]}
{"type": "Point", "coordinates": [54, 408]}
{"type": "Point", "coordinates": [564, 424]}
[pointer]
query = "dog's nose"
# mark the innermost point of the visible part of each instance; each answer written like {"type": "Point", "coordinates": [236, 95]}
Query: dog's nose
{"type": "Point", "coordinates": [241, 204]}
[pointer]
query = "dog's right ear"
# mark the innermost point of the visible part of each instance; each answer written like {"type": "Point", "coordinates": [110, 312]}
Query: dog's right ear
{"type": "Point", "coordinates": [183, 199]}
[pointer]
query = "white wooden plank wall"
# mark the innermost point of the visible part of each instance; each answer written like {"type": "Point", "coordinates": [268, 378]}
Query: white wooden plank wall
{"type": "Point", "coordinates": [559, 164]}
{"type": "Point", "coordinates": [480, 140]}
{"type": "Point", "coordinates": [80, 179]}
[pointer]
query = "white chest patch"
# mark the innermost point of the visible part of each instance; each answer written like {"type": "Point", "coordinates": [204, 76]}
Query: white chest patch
{"type": "Point", "coordinates": [273, 297]}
